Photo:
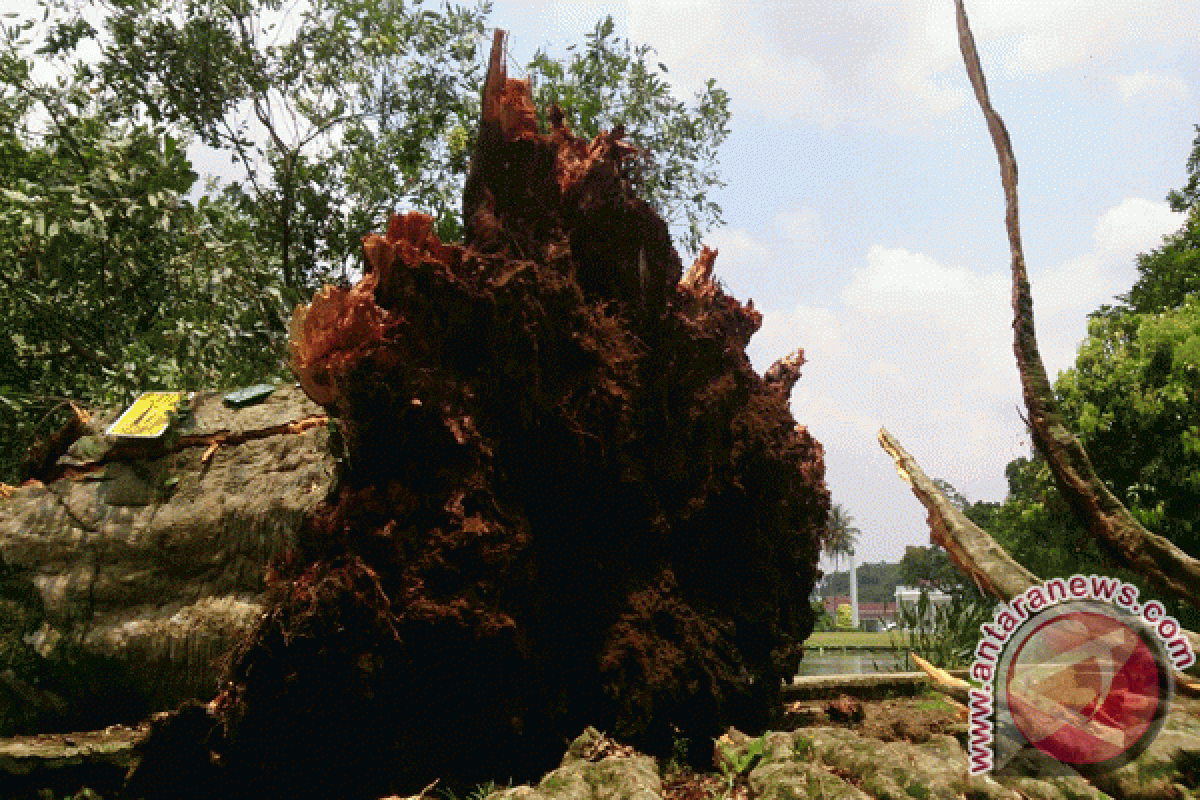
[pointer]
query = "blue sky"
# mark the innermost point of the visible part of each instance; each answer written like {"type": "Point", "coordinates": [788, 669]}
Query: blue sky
{"type": "Point", "coordinates": [864, 213]}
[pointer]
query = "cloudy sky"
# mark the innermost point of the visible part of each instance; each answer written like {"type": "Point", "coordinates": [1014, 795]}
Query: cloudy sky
{"type": "Point", "coordinates": [864, 213]}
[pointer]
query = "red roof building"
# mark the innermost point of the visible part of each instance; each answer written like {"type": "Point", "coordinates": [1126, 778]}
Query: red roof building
{"type": "Point", "coordinates": [884, 612]}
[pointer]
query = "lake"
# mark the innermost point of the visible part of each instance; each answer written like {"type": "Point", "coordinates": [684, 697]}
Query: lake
{"type": "Point", "coordinates": [835, 661]}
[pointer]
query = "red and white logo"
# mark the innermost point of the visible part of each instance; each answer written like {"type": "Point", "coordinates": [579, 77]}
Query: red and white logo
{"type": "Point", "coordinates": [1073, 673]}
{"type": "Point", "coordinates": [1086, 685]}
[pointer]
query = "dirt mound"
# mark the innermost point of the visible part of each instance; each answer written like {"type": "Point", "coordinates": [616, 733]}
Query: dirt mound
{"type": "Point", "coordinates": [566, 498]}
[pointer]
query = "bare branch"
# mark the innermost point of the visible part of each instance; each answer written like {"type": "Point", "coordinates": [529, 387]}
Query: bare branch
{"type": "Point", "coordinates": [1170, 569]}
{"type": "Point", "coordinates": [971, 548]}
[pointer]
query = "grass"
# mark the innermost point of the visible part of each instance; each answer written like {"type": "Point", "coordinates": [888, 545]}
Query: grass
{"type": "Point", "coordinates": [882, 641]}
{"type": "Point", "coordinates": [932, 700]}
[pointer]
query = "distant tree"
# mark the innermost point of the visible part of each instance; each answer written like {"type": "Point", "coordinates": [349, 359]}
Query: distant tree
{"type": "Point", "coordinates": [876, 583]}
{"type": "Point", "coordinates": [840, 534]}
{"type": "Point", "coordinates": [931, 566]}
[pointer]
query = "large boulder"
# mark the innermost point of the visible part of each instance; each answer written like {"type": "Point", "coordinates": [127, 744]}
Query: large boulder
{"type": "Point", "coordinates": [125, 583]}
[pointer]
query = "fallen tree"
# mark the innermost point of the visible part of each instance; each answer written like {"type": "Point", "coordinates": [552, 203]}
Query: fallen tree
{"type": "Point", "coordinates": [566, 498]}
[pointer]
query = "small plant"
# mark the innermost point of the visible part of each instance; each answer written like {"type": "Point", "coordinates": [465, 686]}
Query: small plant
{"type": "Point", "coordinates": [845, 617]}
{"type": "Point", "coordinates": [803, 747]}
{"type": "Point", "coordinates": [480, 792]}
{"type": "Point", "coordinates": [736, 764]}
{"type": "Point", "coordinates": [917, 791]}
{"type": "Point", "coordinates": [679, 751]}
{"type": "Point", "coordinates": [946, 635]}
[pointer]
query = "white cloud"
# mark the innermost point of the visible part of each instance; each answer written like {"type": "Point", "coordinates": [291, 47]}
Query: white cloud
{"type": "Point", "coordinates": [801, 226]}
{"type": "Point", "coordinates": [897, 282]}
{"type": "Point", "coordinates": [1080, 284]}
{"type": "Point", "coordinates": [890, 64]}
{"type": "Point", "coordinates": [865, 60]}
{"type": "Point", "coordinates": [817, 330]}
{"type": "Point", "coordinates": [680, 30]}
{"type": "Point", "coordinates": [1135, 226]}
{"type": "Point", "coordinates": [1045, 35]}
{"type": "Point", "coordinates": [1142, 83]}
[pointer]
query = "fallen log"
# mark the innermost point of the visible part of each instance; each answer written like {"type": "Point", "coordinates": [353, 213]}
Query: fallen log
{"type": "Point", "coordinates": [125, 581]}
{"type": "Point", "coordinates": [971, 548]}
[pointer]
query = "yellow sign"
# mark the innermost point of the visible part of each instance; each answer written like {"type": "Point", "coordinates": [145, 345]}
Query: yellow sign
{"type": "Point", "coordinates": [148, 417]}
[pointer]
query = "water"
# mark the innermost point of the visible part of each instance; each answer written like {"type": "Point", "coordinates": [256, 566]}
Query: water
{"type": "Point", "coordinates": [835, 661]}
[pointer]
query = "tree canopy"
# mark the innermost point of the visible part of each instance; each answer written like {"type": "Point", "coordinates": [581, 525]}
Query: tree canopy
{"type": "Point", "coordinates": [840, 534]}
{"type": "Point", "coordinates": [111, 280]}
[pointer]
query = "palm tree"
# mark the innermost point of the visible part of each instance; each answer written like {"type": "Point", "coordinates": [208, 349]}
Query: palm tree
{"type": "Point", "coordinates": [840, 535]}
{"type": "Point", "coordinates": [838, 540]}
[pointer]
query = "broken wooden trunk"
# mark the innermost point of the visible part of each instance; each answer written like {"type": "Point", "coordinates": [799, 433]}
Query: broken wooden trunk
{"type": "Point", "coordinates": [566, 498]}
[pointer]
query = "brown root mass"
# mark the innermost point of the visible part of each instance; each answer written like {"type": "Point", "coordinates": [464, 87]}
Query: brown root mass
{"type": "Point", "coordinates": [567, 498]}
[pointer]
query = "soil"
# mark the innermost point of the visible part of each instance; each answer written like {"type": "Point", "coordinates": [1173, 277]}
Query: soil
{"type": "Point", "coordinates": [912, 719]}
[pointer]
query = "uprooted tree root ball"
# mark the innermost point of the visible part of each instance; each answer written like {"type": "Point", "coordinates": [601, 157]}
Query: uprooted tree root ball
{"type": "Point", "coordinates": [566, 499]}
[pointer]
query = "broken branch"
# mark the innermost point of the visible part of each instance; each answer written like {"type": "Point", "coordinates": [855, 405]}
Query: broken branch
{"type": "Point", "coordinates": [1156, 558]}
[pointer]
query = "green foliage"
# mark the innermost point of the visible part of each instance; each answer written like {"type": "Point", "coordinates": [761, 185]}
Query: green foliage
{"type": "Point", "coordinates": [844, 619]}
{"type": "Point", "coordinates": [350, 115]}
{"type": "Point", "coordinates": [931, 567]}
{"type": "Point", "coordinates": [1188, 198]}
{"type": "Point", "coordinates": [1133, 394]}
{"type": "Point", "coordinates": [736, 764]}
{"type": "Point", "coordinates": [366, 107]}
{"type": "Point", "coordinates": [840, 535]}
{"type": "Point", "coordinates": [480, 792]}
{"type": "Point", "coordinates": [111, 281]}
{"type": "Point", "coordinates": [1132, 398]}
{"type": "Point", "coordinates": [946, 635]}
{"type": "Point", "coordinates": [610, 83]}
{"type": "Point", "coordinates": [824, 621]}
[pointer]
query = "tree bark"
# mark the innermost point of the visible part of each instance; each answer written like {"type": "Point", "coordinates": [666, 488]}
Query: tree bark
{"type": "Point", "coordinates": [971, 548]}
{"type": "Point", "coordinates": [1168, 568]}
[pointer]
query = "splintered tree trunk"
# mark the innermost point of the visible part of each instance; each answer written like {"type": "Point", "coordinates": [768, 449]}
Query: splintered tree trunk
{"type": "Point", "coordinates": [970, 548]}
{"type": "Point", "coordinates": [566, 498]}
{"type": "Point", "coordinates": [1166, 566]}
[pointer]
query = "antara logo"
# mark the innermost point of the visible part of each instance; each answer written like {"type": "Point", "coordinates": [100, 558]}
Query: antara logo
{"type": "Point", "coordinates": [1074, 672]}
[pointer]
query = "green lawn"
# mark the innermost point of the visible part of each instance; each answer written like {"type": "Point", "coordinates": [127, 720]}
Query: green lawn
{"type": "Point", "coordinates": [856, 639]}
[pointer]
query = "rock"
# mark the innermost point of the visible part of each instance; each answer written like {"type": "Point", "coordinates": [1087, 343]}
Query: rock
{"type": "Point", "coordinates": [820, 762]}
{"type": "Point", "coordinates": [1171, 761]}
{"type": "Point", "coordinates": [133, 578]}
{"type": "Point", "coordinates": [594, 768]}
